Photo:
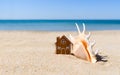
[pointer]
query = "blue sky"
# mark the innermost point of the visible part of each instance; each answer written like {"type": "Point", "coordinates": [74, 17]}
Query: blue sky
{"type": "Point", "coordinates": [59, 9]}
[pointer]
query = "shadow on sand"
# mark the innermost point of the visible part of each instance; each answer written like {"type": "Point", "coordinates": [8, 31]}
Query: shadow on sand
{"type": "Point", "coordinates": [101, 58]}
{"type": "Point", "coordinates": [98, 57]}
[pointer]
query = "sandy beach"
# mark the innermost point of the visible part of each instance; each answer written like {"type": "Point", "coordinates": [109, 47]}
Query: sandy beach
{"type": "Point", "coordinates": [33, 53]}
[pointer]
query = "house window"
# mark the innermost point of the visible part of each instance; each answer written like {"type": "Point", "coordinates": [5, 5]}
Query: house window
{"type": "Point", "coordinates": [67, 47]}
{"type": "Point", "coordinates": [58, 47]}
{"type": "Point", "coordinates": [63, 41]}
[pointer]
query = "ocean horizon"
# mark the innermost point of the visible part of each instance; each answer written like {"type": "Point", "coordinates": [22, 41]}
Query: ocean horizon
{"type": "Point", "coordinates": [59, 25]}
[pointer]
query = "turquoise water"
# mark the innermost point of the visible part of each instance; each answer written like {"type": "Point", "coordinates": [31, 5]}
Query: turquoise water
{"type": "Point", "coordinates": [58, 25]}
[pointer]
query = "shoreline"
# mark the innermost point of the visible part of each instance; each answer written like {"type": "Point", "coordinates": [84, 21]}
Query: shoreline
{"type": "Point", "coordinates": [57, 31]}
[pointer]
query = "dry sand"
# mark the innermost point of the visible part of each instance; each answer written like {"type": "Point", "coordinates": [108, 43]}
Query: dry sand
{"type": "Point", "coordinates": [33, 53]}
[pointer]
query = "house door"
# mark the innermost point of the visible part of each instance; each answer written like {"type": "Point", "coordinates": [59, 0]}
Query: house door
{"type": "Point", "coordinates": [68, 50]}
{"type": "Point", "coordinates": [63, 51]}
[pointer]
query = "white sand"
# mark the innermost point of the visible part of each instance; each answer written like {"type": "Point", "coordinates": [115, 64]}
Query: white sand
{"type": "Point", "coordinates": [33, 53]}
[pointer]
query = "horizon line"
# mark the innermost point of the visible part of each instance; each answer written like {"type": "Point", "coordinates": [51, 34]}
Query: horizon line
{"type": "Point", "coordinates": [59, 19]}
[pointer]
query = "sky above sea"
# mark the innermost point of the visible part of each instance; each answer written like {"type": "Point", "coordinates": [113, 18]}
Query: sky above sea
{"type": "Point", "coordinates": [59, 9]}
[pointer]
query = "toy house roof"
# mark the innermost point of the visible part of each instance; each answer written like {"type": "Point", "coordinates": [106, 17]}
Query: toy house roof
{"type": "Point", "coordinates": [63, 37]}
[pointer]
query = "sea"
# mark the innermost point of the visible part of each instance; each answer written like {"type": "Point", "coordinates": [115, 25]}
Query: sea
{"type": "Point", "coordinates": [59, 25]}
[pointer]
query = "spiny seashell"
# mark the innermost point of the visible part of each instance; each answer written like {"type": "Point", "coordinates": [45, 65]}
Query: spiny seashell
{"type": "Point", "coordinates": [82, 47]}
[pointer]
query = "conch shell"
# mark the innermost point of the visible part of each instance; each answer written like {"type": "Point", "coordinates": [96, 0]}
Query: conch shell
{"type": "Point", "coordinates": [82, 47]}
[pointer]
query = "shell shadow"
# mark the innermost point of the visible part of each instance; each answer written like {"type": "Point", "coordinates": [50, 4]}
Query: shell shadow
{"type": "Point", "coordinates": [98, 57]}
{"type": "Point", "coordinates": [101, 58]}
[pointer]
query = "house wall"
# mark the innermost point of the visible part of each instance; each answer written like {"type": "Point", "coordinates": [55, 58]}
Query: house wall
{"type": "Point", "coordinates": [63, 46]}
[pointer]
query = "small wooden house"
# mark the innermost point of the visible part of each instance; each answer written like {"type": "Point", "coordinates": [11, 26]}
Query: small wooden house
{"type": "Point", "coordinates": [63, 45]}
